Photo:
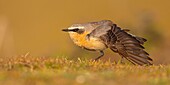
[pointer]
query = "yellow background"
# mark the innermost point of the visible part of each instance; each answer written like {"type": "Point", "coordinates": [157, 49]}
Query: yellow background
{"type": "Point", "coordinates": [34, 26]}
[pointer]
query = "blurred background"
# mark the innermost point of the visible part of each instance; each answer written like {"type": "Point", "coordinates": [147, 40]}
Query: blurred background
{"type": "Point", "coordinates": [34, 26]}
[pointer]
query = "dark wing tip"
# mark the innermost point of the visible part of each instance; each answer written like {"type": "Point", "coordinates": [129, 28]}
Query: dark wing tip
{"type": "Point", "coordinates": [141, 40]}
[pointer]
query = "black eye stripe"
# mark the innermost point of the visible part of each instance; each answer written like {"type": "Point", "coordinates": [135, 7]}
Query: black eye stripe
{"type": "Point", "coordinates": [75, 30]}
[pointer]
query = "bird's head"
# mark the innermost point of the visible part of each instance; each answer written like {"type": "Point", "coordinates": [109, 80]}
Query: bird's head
{"type": "Point", "coordinates": [77, 32]}
{"type": "Point", "coordinates": [75, 28]}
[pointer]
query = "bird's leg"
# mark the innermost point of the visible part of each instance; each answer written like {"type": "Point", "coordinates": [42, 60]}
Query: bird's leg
{"type": "Point", "coordinates": [101, 55]}
{"type": "Point", "coordinates": [121, 60]}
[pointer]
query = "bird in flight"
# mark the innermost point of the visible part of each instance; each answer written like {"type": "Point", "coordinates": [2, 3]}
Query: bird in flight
{"type": "Point", "coordinates": [98, 36]}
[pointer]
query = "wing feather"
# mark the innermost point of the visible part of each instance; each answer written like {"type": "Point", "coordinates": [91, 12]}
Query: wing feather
{"type": "Point", "coordinates": [130, 47]}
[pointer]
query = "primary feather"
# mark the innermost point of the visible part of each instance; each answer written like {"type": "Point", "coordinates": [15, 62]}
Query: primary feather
{"type": "Point", "coordinates": [131, 47]}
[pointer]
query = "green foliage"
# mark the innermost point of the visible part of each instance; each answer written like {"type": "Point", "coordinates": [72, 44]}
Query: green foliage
{"type": "Point", "coordinates": [61, 71]}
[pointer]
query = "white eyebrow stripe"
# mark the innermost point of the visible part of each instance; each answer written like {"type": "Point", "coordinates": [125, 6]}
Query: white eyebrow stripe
{"type": "Point", "coordinates": [80, 27]}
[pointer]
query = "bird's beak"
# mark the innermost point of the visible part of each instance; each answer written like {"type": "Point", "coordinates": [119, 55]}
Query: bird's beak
{"type": "Point", "coordinates": [67, 30]}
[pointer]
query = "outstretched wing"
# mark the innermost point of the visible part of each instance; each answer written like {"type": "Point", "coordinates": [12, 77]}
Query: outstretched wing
{"type": "Point", "coordinates": [130, 47]}
{"type": "Point", "coordinates": [119, 41]}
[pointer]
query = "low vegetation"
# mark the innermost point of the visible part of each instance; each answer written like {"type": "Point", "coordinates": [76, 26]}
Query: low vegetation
{"type": "Point", "coordinates": [28, 70]}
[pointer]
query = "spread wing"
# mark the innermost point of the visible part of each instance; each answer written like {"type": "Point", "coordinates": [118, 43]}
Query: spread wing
{"type": "Point", "coordinates": [119, 41]}
{"type": "Point", "coordinates": [130, 47]}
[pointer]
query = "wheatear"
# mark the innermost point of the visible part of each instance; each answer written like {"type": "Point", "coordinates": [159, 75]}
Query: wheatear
{"type": "Point", "coordinates": [97, 36]}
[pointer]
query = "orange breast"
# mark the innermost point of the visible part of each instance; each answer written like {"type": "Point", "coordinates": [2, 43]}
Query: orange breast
{"type": "Point", "coordinates": [92, 43]}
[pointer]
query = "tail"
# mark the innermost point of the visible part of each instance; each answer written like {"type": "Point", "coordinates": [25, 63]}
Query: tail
{"type": "Point", "coordinates": [130, 47]}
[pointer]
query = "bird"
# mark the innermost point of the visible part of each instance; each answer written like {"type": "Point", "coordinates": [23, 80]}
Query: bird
{"type": "Point", "coordinates": [103, 34]}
